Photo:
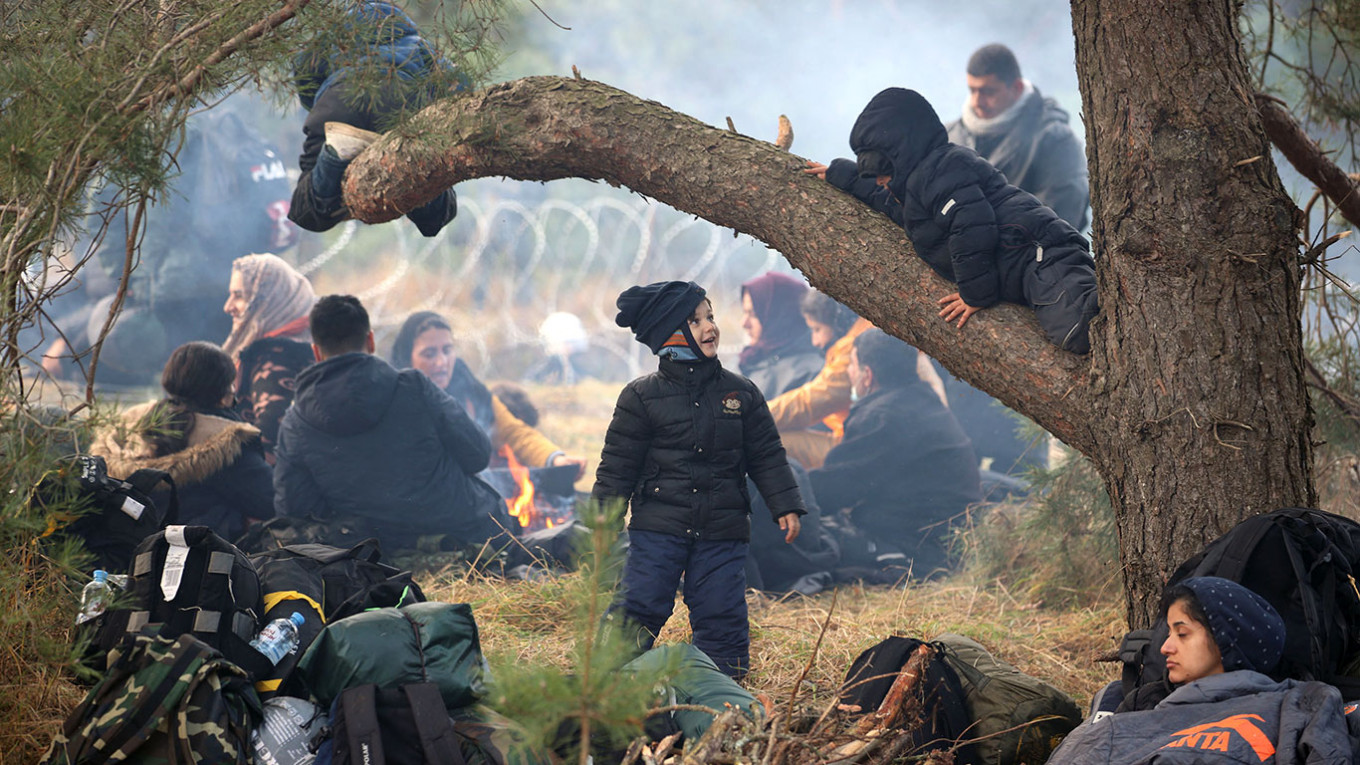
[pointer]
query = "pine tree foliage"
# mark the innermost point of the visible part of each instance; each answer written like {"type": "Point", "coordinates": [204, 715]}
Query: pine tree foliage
{"type": "Point", "coordinates": [596, 705]}
{"type": "Point", "coordinates": [94, 96]}
{"type": "Point", "coordinates": [1306, 53]}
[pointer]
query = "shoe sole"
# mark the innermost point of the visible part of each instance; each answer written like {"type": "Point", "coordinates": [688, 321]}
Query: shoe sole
{"type": "Point", "coordinates": [349, 131]}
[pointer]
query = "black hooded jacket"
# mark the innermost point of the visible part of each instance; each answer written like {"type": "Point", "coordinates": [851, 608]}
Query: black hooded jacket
{"type": "Point", "coordinates": [963, 218]}
{"type": "Point", "coordinates": [383, 33]}
{"type": "Point", "coordinates": [364, 441]}
{"type": "Point", "coordinates": [904, 467]}
{"type": "Point", "coordinates": [682, 441]}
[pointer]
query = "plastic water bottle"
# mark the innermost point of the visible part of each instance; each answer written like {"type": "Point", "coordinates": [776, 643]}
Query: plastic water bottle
{"type": "Point", "coordinates": [95, 597]}
{"type": "Point", "coordinates": [279, 637]}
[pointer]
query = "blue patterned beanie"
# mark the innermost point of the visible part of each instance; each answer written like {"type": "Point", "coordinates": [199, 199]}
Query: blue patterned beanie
{"type": "Point", "coordinates": [1248, 630]}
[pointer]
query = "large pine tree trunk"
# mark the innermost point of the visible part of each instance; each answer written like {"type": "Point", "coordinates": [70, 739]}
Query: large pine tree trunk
{"type": "Point", "coordinates": [1204, 417]}
{"type": "Point", "coordinates": [1192, 404]}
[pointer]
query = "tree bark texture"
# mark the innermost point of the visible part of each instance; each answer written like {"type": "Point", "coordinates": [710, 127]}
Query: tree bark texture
{"type": "Point", "coordinates": [1204, 416]}
{"type": "Point", "coordinates": [1192, 404]}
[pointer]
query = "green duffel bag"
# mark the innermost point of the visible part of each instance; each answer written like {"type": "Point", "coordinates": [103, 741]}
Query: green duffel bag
{"type": "Point", "coordinates": [694, 680]}
{"type": "Point", "coordinates": [390, 647]}
{"type": "Point", "coordinates": [1016, 718]}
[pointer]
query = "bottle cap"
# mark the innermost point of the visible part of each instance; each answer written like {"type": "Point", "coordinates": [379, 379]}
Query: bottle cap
{"type": "Point", "coordinates": [101, 576]}
{"type": "Point", "coordinates": [297, 618]}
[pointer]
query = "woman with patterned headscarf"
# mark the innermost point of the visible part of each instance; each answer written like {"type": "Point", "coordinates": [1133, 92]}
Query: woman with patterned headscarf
{"type": "Point", "coordinates": [268, 301]}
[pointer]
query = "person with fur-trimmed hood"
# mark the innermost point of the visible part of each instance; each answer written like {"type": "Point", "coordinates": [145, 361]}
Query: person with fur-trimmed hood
{"type": "Point", "coordinates": [216, 461]}
{"type": "Point", "coordinates": [678, 450]}
{"type": "Point", "coordinates": [995, 241]}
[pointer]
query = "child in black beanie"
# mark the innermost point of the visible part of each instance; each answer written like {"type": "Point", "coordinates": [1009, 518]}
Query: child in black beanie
{"type": "Point", "coordinates": [679, 448]}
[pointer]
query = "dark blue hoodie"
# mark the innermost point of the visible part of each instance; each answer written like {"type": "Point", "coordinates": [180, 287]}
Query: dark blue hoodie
{"type": "Point", "coordinates": [386, 37]}
{"type": "Point", "coordinates": [963, 218]}
{"type": "Point", "coordinates": [379, 36]}
{"type": "Point", "coordinates": [364, 442]}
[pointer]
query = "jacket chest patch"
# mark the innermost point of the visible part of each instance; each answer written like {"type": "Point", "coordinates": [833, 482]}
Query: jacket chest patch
{"type": "Point", "coordinates": [731, 403]}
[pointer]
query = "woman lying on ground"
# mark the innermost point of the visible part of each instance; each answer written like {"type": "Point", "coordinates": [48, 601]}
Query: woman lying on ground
{"type": "Point", "coordinates": [193, 434]}
{"type": "Point", "coordinates": [268, 301]}
{"type": "Point", "coordinates": [425, 343]}
{"type": "Point", "coordinates": [1223, 707]}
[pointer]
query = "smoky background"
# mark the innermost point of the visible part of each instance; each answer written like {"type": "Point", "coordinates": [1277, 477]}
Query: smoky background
{"type": "Point", "coordinates": [519, 252]}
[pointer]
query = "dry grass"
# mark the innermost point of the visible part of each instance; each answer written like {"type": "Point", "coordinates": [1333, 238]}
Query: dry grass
{"type": "Point", "coordinates": [522, 622]}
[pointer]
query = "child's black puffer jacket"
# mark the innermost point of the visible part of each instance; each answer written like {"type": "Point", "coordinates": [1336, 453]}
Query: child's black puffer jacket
{"type": "Point", "coordinates": [680, 446]}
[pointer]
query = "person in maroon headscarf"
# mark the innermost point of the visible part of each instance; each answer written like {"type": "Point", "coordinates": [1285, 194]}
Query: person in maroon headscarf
{"type": "Point", "coordinates": [779, 355]}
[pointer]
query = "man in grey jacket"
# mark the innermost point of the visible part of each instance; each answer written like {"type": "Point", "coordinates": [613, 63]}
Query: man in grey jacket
{"type": "Point", "coordinates": [1023, 134]}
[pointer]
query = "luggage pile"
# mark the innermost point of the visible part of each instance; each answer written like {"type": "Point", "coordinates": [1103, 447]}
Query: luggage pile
{"type": "Point", "coordinates": [304, 654]}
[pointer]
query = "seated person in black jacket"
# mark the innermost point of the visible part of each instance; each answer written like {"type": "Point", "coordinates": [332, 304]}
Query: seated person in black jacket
{"type": "Point", "coordinates": [995, 241]}
{"type": "Point", "coordinates": [343, 113]}
{"type": "Point", "coordinates": [904, 467]}
{"type": "Point", "coordinates": [382, 451]}
{"type": "Point", "coordinates": [215, 459]}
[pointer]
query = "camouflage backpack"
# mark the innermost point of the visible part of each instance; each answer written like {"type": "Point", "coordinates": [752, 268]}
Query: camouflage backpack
{"type": "Point", "coordinates": [174, 701]}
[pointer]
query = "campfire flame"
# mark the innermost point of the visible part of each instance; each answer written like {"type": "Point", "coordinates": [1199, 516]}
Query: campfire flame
{"type": "Point", "coordinates": [522, 506]}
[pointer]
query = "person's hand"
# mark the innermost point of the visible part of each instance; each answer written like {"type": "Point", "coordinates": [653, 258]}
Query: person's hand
{"type": "Point", "coordinates": [579, 462]}
{"type": "Point", "coordinates": [955, 308]}
{"type": "Point", "coordinates": [816, 168]}
{"type": "Point", "coordinates": [51, 359]}
{"type": "Point", "coordinates": [791, 525]}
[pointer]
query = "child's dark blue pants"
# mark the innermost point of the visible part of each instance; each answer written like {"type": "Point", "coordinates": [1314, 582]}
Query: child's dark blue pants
{"type": "Point", "coordinates": [715, 592]}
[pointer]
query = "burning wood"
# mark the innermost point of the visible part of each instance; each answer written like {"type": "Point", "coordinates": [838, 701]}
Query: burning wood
{"type": "Point", "coordinates": [538, 498]}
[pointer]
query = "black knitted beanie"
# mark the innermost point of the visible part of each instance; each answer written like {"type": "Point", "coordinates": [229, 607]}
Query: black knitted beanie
{"type": "Point", "coordinates": [656, 311]}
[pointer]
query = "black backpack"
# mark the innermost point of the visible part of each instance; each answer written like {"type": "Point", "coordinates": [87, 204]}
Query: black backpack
{"type": "Point", "coordinates": [944, 717]}
{"type": "Point", "coordinates": [325, 584]}
{"type": "Point", "coordinates": [1304, 562]}
{"type": "Point", "coordinates": [192, 581]}
{"type": "Point", "coordinates": [120, 511]}
{"type": "Point", "coordinates": [407, 725]}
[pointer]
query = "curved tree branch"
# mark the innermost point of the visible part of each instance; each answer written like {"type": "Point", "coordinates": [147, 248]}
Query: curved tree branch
{"type": "Point", "coordinates": [546, 128]}
{"type": "Point", "coordinates": [1308, 158]}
